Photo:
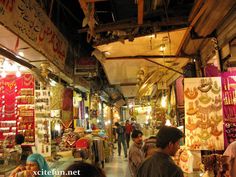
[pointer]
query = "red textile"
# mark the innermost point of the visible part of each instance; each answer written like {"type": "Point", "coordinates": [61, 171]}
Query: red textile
{"type": "Point", "coordinates": [128, 128]}
{"type": "Point", "coordinates": [67, 100]}
{"type": "Point", "coordinates": [16, 91]}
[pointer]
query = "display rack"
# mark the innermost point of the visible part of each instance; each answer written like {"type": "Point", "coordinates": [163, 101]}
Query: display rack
{"type": "Point", "coordinates": [17, 107]}
{"type": "Point", "coordinates": [43, 120]}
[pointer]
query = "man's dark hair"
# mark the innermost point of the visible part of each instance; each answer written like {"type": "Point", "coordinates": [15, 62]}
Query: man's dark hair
{"type": "Point", "coordinates": [168, 135]}
{"type": "Point", "coordinates": [135, 133]}
{"type": "Point", "coordinates": [85, 169]}
{"type": "Point", "coordinates": [19, 139]}
{"type": "Point", "coordinates": [117, 124]}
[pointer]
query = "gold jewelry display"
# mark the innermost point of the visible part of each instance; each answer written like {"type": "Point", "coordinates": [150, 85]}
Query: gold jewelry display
{"type": "Point", "coordinates": [216, 119]}
{"type": "Point", "coordinates": [204, 134]}
{"type": "Point", "coordinates": [28, 79]}
{"type": "Point", "coordinates": [216, 107]}
{"type": "Point", "coordinates": [205, 86]}
{"type": "Point", "coordinates": [10, 84]}
{"type": "Point", "coordinates": [190, 125]}
{"type": "Point", "coordinates": [208, 109]}
{"type": "Point", "coordinates": [217, 99]}
{"type": "Point", "coordinates": [203, 110]}
{"type": "Point", "coordinates": [204, 98]}
{"type": "Point", "coordinates": [204, 125]}
{"type": "Point", "coordinates": [215, 89]}
{"type": "Point", "coordinates": [26, 92]}
{"type": "Point", "coordinates": [191, 110]}
{"type": "Point", "coordinates": [191, 94]}
{"type": "Point", "coordinates": [215, 132]}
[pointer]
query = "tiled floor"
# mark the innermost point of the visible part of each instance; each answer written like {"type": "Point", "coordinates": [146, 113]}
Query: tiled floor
{"type": "Point", "coordinates": [117, 167]}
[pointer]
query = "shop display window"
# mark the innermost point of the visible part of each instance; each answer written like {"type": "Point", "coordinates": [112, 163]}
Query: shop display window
{"type": "Point", "coordinates": [17, 107]}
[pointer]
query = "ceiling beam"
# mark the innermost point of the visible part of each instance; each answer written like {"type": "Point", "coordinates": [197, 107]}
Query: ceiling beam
{"type": "Point", "coordinates": [163, 66]}
{"type": "Point", "coordinates": [131, 24]}
{"type": "Point", "coordinates": [12, 56]}
{"type": "Point", "coordinates": [193, 22]}
{"type": "Point", "coordinates": [148, 56]}
{"type": "Point", "coordinates": [128, 84]}
{"type": "Point", "coordinates": [140, 11]}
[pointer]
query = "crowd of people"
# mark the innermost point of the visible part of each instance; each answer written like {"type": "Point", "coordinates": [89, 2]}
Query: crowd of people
{"type": "Point", "coordinates": [150, 159]}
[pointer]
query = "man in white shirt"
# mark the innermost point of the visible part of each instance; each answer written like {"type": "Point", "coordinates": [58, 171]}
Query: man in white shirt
{"type": "Point", "coordinates": [231, 152]}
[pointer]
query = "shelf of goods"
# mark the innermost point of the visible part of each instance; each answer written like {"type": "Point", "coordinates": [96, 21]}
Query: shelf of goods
{"type": "Point", "coordinates": [17, 107]}
{"type": "Point", "coordinates": [43, 122]}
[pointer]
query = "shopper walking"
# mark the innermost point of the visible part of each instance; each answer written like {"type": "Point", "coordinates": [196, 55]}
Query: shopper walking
{"type": "Point", "coordinates": [136, 155]}
{"type": "Point", "coordinates": [128, 130]}
{"type": "Point", "coordinates": [231, 152]}
{"type": "Point", "coordinates": [120, 130]}
{"type": "Point", "coordinates": [161, 164]}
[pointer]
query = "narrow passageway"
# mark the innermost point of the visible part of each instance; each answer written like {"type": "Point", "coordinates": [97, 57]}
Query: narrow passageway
{"type": "Point", "coordinates": [117, 167]}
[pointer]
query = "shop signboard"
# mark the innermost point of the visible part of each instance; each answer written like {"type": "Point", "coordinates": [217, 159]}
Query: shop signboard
{"type": "Point", "coordinates": [27, 19]}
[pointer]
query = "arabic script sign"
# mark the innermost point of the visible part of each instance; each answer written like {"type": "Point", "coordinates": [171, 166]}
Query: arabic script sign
{"type": "Point", "coordinates": [26, 19]}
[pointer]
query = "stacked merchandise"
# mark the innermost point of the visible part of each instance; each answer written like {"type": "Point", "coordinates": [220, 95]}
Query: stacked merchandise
{"type": "Point", "coordinates": [68, 141]}
{"type": "Point", "coordinates": [17, 107]}
{"type": "Point", "coordinates": [43, 121]}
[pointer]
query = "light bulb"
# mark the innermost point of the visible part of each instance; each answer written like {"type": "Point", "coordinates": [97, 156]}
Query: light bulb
{"type": "Point", "coordinates": [21, 54]}
{"type": "Point", "coordinates": [163, 101]}
{"type": "Point", "coordinates": [162, 48]}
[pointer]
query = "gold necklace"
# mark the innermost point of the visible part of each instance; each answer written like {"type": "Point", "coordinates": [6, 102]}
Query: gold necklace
{"type": "Point", "coordinates": [215, 89]}
{"type": "Point", "coordinates": [28, 80]}
{"type": "Point", "coordinates": [204, 88]}
{"type": "Point", "coordinates": [215, 132]}
{"type": "Point", "coordinates": [216, 107]}
{"type": "Point", "coordinates": [191, 94]}
{"type": "Point", "coordinates": [204, 99]}
{"type": "Point", "coordinates": [216, 119]}
{"type": "Point", "coordinates": [191, 110]}
{"type": "Point", "coordinates": [204, 134]}
{"type": "Point", "coordinates": [190, 125]}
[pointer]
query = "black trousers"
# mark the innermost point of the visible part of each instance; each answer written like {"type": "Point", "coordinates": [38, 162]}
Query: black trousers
{"type": "Point", "coordinates": [127, 139]}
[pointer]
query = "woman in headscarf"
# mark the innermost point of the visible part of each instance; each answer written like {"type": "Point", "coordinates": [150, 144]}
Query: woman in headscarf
{"type": "Point", "coordinates": [36, 165]}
